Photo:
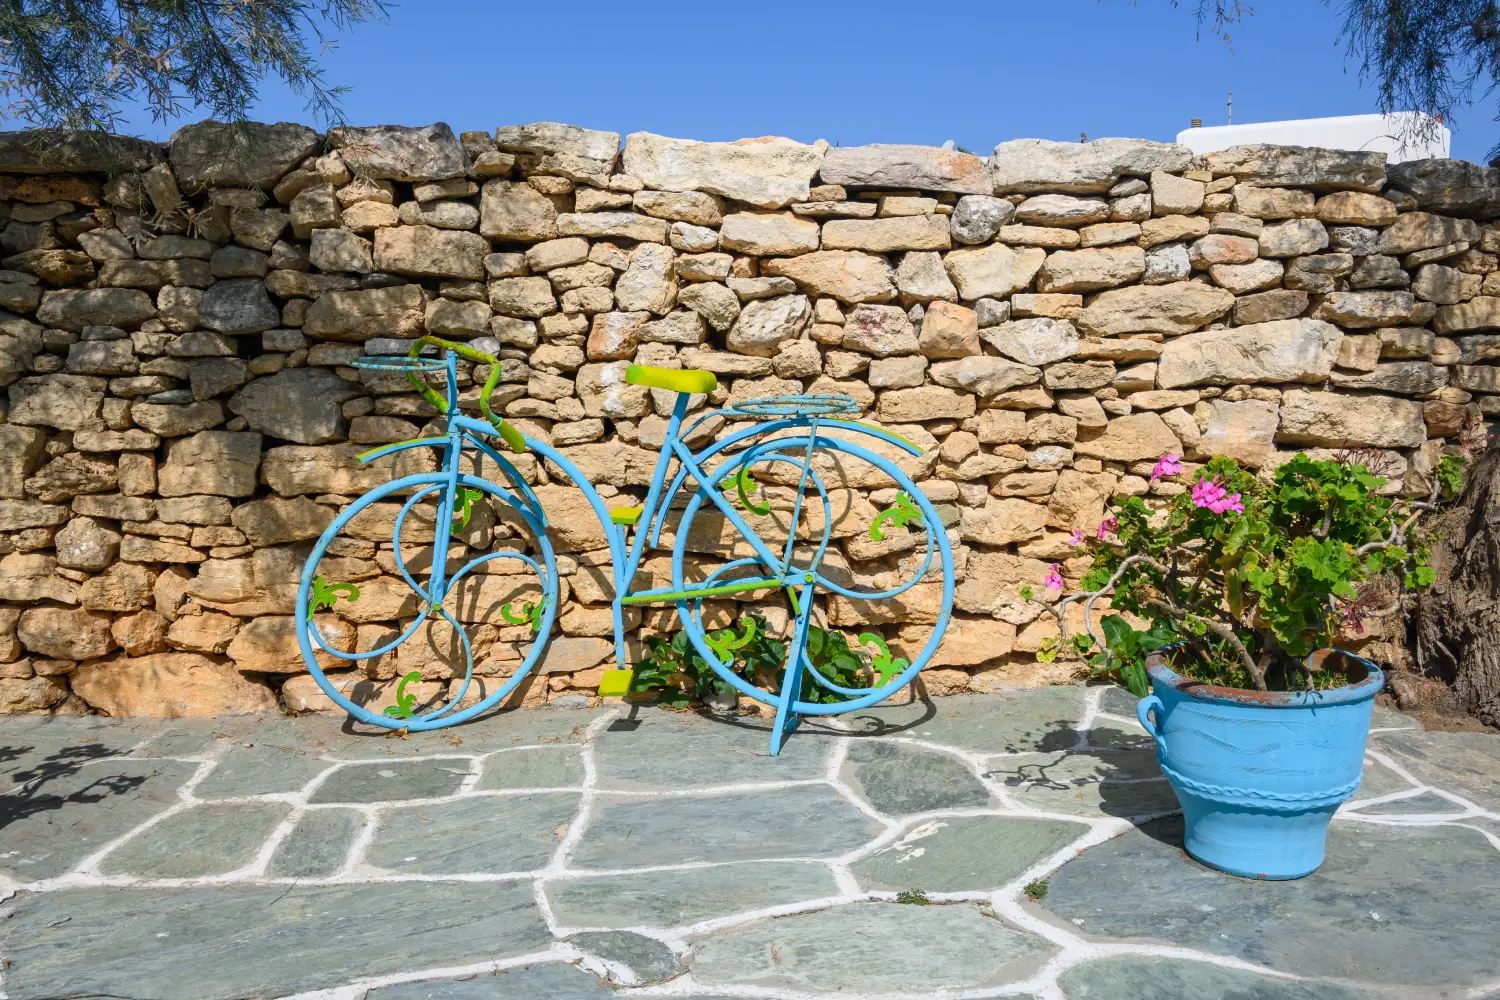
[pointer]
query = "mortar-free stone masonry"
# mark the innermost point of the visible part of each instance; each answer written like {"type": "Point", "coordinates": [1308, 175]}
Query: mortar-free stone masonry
{"type": "Point", "coordinates": [180, 417]}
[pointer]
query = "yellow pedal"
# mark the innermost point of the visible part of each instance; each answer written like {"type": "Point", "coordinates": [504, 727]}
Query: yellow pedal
{"type": "Point", "coordinates": [615, 683]}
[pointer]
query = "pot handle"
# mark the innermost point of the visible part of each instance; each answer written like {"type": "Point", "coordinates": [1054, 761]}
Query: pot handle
{"type": "Point", "coordinates": [1143, 710]}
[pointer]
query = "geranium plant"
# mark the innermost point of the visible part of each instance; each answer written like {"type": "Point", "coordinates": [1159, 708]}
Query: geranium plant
{"type": "Point", "coordinates": [1248, 577]}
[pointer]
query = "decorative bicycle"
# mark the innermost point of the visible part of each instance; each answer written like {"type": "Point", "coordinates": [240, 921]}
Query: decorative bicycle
{"type": "Point", "coordinates": [797, 458]}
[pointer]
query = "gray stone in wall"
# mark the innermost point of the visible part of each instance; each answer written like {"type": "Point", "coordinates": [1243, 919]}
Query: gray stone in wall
{"type": "Point", "coordinates": [301, 405]}
{"type": "Point", "coordinates": [1291, 350]}
{"type": "Point", "coordinates": [238, 305]}
{"type": "Point", "coordinates": [238, 154]}
{"type": "Point", "coordinates": [925, 168]}
{"type": "Point", "coordinates": [1300, 166]}
{"type": "Point", "coordinates": [1454, 186]}
{"type": "Point", "coordinates": [58, 151]}
{"type": "Point", "coordinates": [399, 153]}
{"type": "Point", "coordinates": [1024, 165]}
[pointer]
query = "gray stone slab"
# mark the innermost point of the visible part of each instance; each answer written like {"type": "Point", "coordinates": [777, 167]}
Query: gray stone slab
{"type": "Point", "coordinates": [230, 942]}
{"type": "Point", "coordinates": [676, 750]}
{"type": "Point", "coordinates": [809, 821]}
{"type": "Point", "coordinates": [393, 781]}
{"type": "Point", "coordinates": [1390, 718]}
{"type": "Point", "coordinates": [1423, 804]}
{"type": "Point", "coordinates": [1093, 782]}
{"type": "Point", "coordinates": [207, 839]}
{"type": "Point", "coordinates": [1175, 979]}
{"type": "Point", "coordinates": [473, 834]}
{"type": "Point", "coordinates": [495, 731]}
{"type": "Point", "coordinates": [535, 767]}
{"type": "Point", "coordinates": [198, 738]}
{"type": "Point", "coordinates": [260, 768]}
{"type": "Point", "coordinates": [69, 802]}
{"type": "Point", "coordinates": [648, 959]}
{"type": "Point", "coordinates": [1110, 733]}
{"type": "Point", "coordinates": [528, 982]}
{"type": "Point", "coordinates": [1417, 906]}
{"type": "Point", "coordinates": [963, 853]}
{"type": "Point", "coordinates": [1012, 722]}
{"type": "Point", "coordinates": [880, 948]}
{"type": "Point", "coordinates": [1466, 764]}
{"type": "Point", "coordinates": [688, 896]}
{"type": "Point", "coordinates": [317, 845]}
{"type": "Point", "coordinates": [1118, 701]}
{"type": "Point", "coordinates": [898, 778]}
{"type": "Point", "coordinates": [1379, 780]}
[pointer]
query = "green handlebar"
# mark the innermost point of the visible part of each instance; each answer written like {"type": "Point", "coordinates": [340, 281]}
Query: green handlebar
{"type": "Point", "coordinates": [512, 437]}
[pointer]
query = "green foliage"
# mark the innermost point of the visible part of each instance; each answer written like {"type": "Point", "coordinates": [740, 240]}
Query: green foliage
{"type": "Point", "coordinates": [1036, 890]}
{"type": "Point", "coordinates": [674, 670]}
{"type": "Point", "coordinates": [1283, 576]}
{"type": "Point", "coordinates": [326, 595]}
{"type": "Point", "coordinates": [901, 513]}
{"type": "Point", "coordinates": [914, 897]}
{"type": "Point", "coordinates": [404, 702]}
{"type": "Point", "coordinates": [74, 63]}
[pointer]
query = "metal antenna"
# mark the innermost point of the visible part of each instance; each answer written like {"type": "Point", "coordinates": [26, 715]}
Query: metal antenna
{"type": "Point", "coordinates": [1229, 114]}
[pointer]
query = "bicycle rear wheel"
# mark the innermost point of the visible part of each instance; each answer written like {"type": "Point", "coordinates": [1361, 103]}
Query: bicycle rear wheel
{"type": "Point", "coordinates": [420, 637]}
{"type": "Point", "coordinates": [861, 593]}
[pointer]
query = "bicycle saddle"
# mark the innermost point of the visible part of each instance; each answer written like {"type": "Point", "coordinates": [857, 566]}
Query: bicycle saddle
{"type": "Point", "coordinates": [673, 379]}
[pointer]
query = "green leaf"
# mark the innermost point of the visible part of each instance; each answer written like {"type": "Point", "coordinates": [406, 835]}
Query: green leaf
{"type": "Point", "coordinates": [325, 595]}
{"type": "Point", "coordinates": [404, 702]}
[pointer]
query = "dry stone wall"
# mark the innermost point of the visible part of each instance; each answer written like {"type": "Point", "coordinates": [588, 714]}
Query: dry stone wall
{"type": "Point", "coordinates": [180, 418]}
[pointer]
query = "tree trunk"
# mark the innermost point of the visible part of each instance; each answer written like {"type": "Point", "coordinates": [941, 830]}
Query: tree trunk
{"type": "Point", "coordinates": [1454, 628]}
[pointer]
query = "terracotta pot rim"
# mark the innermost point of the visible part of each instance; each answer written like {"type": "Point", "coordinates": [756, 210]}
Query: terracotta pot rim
{"type": "Point", "coordinates": [1363, 690]}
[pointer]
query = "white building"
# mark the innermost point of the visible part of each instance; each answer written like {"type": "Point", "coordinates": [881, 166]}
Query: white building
{"type": "Point", "coordinates": [1375, 133]}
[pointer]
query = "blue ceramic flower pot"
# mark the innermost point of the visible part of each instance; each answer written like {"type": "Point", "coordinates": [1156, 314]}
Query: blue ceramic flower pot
{"type": "Point", "coordinates": [1260, 773]}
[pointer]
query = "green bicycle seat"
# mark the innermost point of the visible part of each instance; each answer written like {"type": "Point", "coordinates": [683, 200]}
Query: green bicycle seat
{"type": "Point", "coordinates": [673, 379]}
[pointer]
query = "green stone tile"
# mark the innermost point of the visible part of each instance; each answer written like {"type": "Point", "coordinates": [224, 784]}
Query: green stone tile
{"type": "Point", "coordinates": [1175, 979]}
{"type": "Point", "coordinates": [317, 845]}
{"type": "Point", "coordinates": [801, 822]}
{"type": "Point", "coordinates": [648, 959]}
{"type": "Point", "coordinates": [1087, 782]}
{"type": "Point", "coordinates": [676, 750]}
{"type": "Point", "coordinates": [260, 769]}
{"type": "Point", "coordinates": [870, 948]}
{"type": "Point", "coordinates": [537, 767]}
{"type": "Point", "coordinates": [528, 982]}
{"type": "Point", "coordinates": [233, 942]}
{"type": "Point", "coordinates": [393, 781]}
{"type": "Point", "coordinates": [964, 853]}
{"type": "Point", "coordinates": [473, 834]}
{"type": "Point", "coordinates": [897, 778]}
{"type": "Point", "coordinates": [688, 896]}
{"type": "Point", "coordinates": [1423, 804]}
{"type": "Point", "coordinates": [207, 839]}
{"type": "Point", "coordinates": [1409, 906]}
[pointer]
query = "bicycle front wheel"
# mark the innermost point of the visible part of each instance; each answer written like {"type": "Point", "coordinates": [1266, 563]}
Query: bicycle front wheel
{"type": "Point", "coordinates": [432, 649]}
{"type": "Point", "coordinates": [861, 564]}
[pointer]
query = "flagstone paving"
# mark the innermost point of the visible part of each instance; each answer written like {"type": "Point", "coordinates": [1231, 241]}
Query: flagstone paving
{"type": "Point", "coordinates": [578, 854]}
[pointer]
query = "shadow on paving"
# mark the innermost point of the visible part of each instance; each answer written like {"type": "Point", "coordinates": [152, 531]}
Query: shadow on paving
{"type": "Point", "coordinates": [1066, 774]}
{"type": "Point", "coordinates": [33, 791]}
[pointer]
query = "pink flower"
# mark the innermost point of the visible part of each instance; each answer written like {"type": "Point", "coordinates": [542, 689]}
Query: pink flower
{"type": "Point", "coordinates": [1211, 493]}
{"type": "Point", "coordinates": [1053, 580]}
{"type": "Point", "coordinates": [1167, 465]}
{"type": "Point", "coordinates": [1076, 538]}
{"type": "Point", "coordinates": [1108, 526]}
{"type": "Point", "coordinates": [1207, 492]}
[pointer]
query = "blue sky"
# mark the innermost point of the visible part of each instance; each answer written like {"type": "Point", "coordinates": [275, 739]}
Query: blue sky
{"type": "Point", "coordinates": [975, 71]}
